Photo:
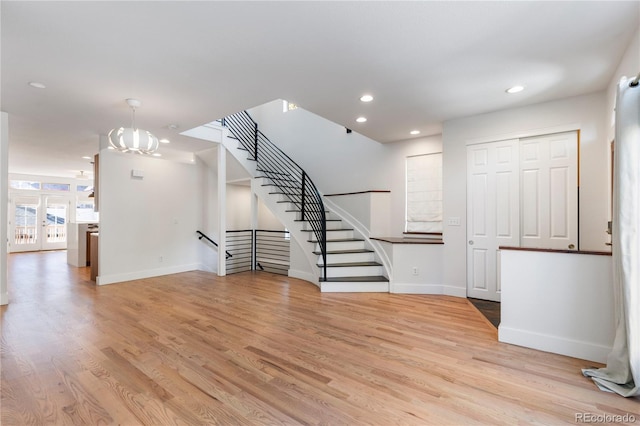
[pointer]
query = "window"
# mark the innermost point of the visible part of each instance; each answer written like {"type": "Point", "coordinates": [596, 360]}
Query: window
{"type": "Point", "coordinates": [56, 187]}
{"type": "Point", "coordinates": [424, 193]}
{"type": "Point", "coordinates": [82, 188]}
{"type": "Point", "coordinates": [85, 212]}
{"type": "Point", "coordinates": [24, 184]}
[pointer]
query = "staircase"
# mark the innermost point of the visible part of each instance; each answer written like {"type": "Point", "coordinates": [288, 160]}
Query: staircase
{"type": "Point", "coordinates": [343, 261]}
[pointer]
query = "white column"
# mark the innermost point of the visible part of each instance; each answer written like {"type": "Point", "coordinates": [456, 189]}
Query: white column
{"type": "Point", "coordinates": [222, 210]}
{"type": "Point", "coordinates": [254, 222]}
{"type": "Point", "coordinates": [4, 199]}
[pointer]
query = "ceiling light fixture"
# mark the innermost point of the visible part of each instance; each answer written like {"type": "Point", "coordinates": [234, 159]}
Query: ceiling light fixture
{"type": "Point", "coordinates": [164, 140]}
{"type": "Point", "coordinates": [415, 132]}
{"type": "Point", "coordinates": [366, 98]}
{"type": "Point", "coordinates": [37, 85]}
{"type": "Point", "coordinates": [361, 119]}
{"type": "Point", "coordinates": [515, 89]}
{"type": "Point", "coordinates": [132, 139]}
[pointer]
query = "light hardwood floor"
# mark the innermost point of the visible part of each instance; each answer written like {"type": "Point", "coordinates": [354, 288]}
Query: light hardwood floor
{"type": "Point", "coordinates": [255, 349]}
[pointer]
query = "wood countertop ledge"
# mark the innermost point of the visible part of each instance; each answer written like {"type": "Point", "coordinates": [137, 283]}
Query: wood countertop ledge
{"type": "Point", "coordinates": [596, 253]}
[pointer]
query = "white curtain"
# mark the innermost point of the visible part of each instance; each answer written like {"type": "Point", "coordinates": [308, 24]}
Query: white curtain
{"type": "Point", "coordinates": [622, 373]}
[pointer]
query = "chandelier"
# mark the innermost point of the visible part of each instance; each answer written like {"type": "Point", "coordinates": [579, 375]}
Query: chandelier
{"type": "Point", "coordinates": [132, 139]}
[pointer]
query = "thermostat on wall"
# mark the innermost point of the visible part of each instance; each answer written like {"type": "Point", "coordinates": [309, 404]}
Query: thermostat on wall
{"type": "Point", "coordinates": [137, 174]}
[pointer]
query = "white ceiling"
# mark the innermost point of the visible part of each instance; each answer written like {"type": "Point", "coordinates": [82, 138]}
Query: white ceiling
{"type": "Point", "coordinates": [193, 62]}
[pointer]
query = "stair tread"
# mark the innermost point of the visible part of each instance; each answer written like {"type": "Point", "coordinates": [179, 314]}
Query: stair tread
{"type": "Point", "coordinates": [350, 264]}
{"type": "Point", "coordinates": [300, 211]}
{"type": "Point", "coordinates": [275, 178]}
{"type": "Point", "coordinates": [327, 220]}
{"type": "Point", "coordinates": [337, 240]}
{"type": "Point", "coordinates": [328, 230]}
{"type": "Point", "coordinates": [376, 278]}
{"type": "Point", "coordinates": [356, 251]}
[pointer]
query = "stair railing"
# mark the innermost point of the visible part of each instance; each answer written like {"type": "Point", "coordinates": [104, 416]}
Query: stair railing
{"type": "Point", "coordinates": [203, 235]}
{"type": "Point", "coordinates": [290, 179]}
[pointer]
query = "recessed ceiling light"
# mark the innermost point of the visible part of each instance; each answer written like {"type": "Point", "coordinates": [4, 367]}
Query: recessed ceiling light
{"type": "Point", "coordinates": [415, 132]}
{"type": "Point", "coordinates": [86, 157]}
{"type": "Point", "coordinates": [157, 154]}
{"type": "Point", "coordinates": [361, 119]}
{"type": "Point", "coordinates": [515, 89]}
{"type": "Point", "coordinates": [164, 140]}
{"type": "Point", "coordinates": [173, 126]}
{"type": "Point", "coordinates": [37, 85]}
{"type": "Point", "coordinates": [366, 98]}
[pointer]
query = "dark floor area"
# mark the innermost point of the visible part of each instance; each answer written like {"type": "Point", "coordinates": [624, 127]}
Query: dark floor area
{"type": "Point", "coordinates": [489, 309]}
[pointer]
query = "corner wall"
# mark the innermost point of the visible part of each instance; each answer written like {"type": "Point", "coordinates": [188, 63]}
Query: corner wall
{"type": "Point", "coordinates": [147, 225]}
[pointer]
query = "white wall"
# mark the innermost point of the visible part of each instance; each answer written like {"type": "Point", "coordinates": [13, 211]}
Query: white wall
{"type": "Point", "coordinates": [239, 210]}
{"type": "Point", "coordinates": [565, 307]}
{"type": "Point", "coordinates": [4, 178]}
{"type": "Point", "coordinates": [629, 67]}
{"type": "Point", "coordinates": [208, 223]}
{"type": "Point", "coordinates": [338, 162]}
{"type": "Point", "coordinates": [147, 226]}
{"type": "Point", "coordinates": [582, 112]}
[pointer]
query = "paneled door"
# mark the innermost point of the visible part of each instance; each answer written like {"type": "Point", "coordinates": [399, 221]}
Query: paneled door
{"type": "Point", "coordinates": [38, 222]}
{"type": "Point", "coordinates": [549, 191]}
{"type": "Point", "coordinates": [520, 193]}
{"type": "Point", "coordinates": [492, 213]}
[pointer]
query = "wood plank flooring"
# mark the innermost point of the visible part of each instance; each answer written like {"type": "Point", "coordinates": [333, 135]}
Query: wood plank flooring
{"type": "Point", "coordinates": [257, 348]}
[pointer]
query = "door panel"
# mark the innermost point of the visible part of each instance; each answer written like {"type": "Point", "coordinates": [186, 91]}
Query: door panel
{"type": "Point", "coordinates": [24, 229]}
{"type": "Point", "coordinates": [54, 222]}
{"type": "Point", "coordinates": [521, 193]}
{"type": "Point", "coordinates": [38, 222]}
{"type": "Point", "coordinates": [550, 200]}
{"type": "Point", "coordinates": [493, 213]}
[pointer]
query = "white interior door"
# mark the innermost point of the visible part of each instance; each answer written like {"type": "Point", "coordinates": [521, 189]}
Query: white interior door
{"type": "Point", "coordinates": [38, 222]}
{"type": "Point", "coordinates": [493, 213]}
{"type": "Point", "coordinates": [549, 191]}
{"type": "Point", "coordinates": [520, 193]}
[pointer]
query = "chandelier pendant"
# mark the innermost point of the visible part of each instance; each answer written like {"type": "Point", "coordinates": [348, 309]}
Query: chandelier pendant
{"type": "Point", "coordinates": [132, 139]}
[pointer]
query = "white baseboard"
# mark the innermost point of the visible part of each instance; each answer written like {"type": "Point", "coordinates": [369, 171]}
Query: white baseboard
{"type": "Point", "coordinates": [303, 275]}
{"type": "Point", "coordinates": [554, 344]}
{"type": "Point", "coordinates": [206, 268]}
{"type": "Point", "coordinates": [149, 273]}
{"type": "Point", "coordinates": [412, 288]}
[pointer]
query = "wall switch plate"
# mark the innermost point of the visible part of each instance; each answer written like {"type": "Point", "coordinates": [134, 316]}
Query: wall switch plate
{"type": "Point", "coordinates": [453, 221]}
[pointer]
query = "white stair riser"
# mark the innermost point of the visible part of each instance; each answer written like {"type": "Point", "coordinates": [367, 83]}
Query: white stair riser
{"type": "Point", "coordinates": [354, 271]}
{"type": "Point", "coordinates": [334, 235]}
{"type": "Point", "coordinates": [334, 224]}
{"type": "Point", "coordinates": [348, 258]}
{"type": "Point", "coordinates": [342, 245]}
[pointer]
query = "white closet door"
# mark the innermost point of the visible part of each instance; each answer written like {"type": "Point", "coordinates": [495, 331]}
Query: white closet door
{"type": "Point", "coordinates": [493, 213]}
{"type": "Point", "coordinates": [549, 191]}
